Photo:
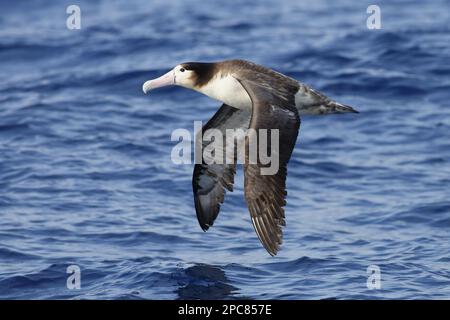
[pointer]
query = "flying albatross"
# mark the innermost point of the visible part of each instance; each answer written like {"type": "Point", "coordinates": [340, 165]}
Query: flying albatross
{"type": "Point", "coordinates": [253, 97]}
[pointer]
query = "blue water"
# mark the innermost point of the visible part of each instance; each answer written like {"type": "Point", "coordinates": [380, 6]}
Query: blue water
{"type": "Point", "coordinates": [86, 177]}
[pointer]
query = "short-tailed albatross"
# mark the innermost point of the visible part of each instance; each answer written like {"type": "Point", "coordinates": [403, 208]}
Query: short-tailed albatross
{"type": "Point", "coordinates": [253, 97]}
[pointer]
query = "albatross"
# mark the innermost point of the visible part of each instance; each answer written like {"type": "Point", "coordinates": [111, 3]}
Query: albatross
{"type": "Point", "coordinates": [253, 97]}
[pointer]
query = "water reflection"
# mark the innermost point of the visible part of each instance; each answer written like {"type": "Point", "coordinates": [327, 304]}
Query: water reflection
{"type": "Point", "coordinates": [205, 282]}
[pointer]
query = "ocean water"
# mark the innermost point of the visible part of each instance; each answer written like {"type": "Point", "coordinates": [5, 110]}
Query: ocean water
{"type": "Point", "coordinates": [86, 177]}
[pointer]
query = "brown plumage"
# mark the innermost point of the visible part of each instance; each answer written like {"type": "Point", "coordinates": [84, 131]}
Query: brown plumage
{"type": "Point", "coordinates": [272, 95]}
{"type": "Point", "coordinates": [265, 194]}
{"type": "Point", "coordinates": [204, 72]}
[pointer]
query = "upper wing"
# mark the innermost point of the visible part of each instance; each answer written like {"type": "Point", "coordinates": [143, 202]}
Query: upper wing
{"type": "Point", "coordinates": [209, 181]}
{"type": "Point", "coordinates": [265, 194]}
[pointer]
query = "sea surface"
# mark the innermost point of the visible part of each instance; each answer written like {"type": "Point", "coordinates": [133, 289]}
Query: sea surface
{"type": "Point", "coordinates": [86, 176]}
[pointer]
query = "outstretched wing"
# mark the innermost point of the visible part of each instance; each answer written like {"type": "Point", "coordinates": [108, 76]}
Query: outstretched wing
{"type": "Point", "coordinates": [265, 194]}
{"type": "Point", "coordinates": [210, 181]}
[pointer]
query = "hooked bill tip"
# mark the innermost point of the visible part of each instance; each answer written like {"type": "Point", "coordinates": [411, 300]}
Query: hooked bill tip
{"type": "Point", "coordinates": [146, 87]}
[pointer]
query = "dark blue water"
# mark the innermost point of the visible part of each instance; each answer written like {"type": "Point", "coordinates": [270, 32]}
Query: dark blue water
{"type": "Point", "coordinates": [86, 176]}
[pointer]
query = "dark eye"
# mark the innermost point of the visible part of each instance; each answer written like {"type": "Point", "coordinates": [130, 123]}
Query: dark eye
{"type": "Point", "coordinates": [182, 69]}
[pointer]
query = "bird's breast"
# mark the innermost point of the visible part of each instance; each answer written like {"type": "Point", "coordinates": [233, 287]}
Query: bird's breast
{"type": "Point", "coordinates": [228, 90]}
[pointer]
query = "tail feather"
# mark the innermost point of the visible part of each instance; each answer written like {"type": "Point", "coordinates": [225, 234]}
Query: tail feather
{"type": "Point", "coordinates": [314, 102]}
{"type": "Point", "coordinates": [336, 107]}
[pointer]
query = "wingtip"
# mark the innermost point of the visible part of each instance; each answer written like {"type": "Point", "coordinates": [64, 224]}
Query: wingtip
{"type": "Point", "coordinates": [205, 227]}
{"type": "Point", "coordinates": [272, 251]}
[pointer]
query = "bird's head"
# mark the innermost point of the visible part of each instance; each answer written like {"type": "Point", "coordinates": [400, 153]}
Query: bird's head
{"type": "Point", "coordinates": [191, 75]}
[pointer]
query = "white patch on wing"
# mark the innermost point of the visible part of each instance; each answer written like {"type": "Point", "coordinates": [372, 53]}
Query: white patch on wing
{"type": "Point", "coordinates": [304, 98]}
